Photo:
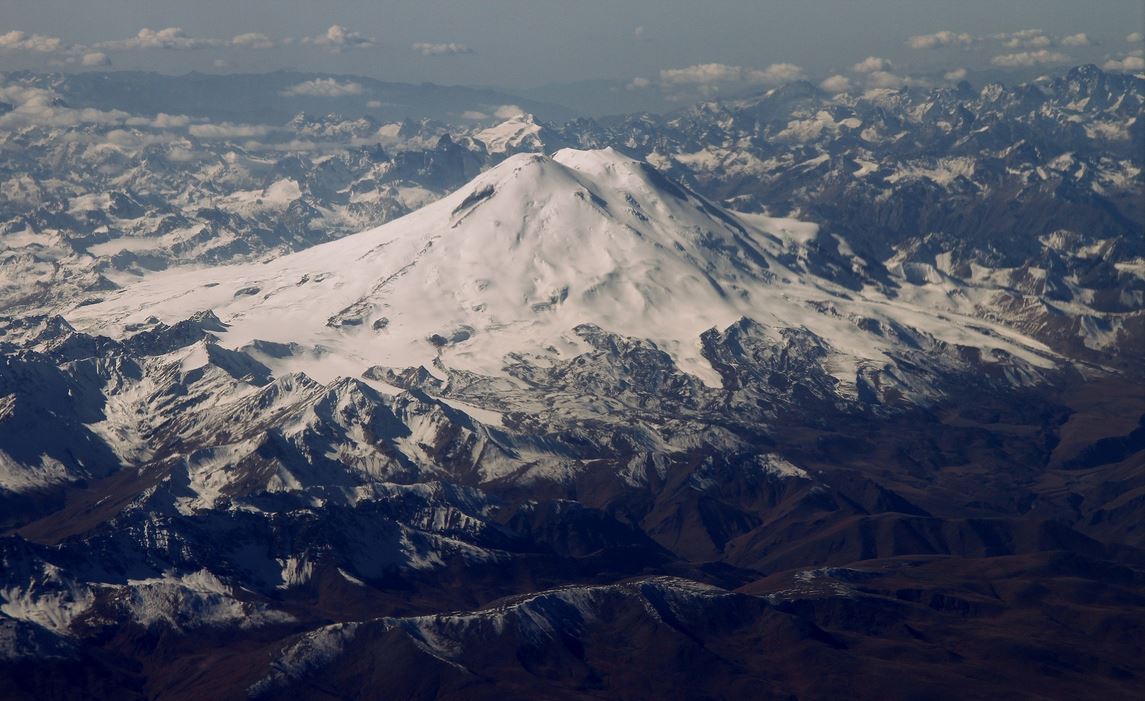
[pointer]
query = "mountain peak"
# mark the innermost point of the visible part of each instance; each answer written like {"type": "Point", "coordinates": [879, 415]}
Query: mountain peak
{"type": "Point", "coordinates": [512, 262]}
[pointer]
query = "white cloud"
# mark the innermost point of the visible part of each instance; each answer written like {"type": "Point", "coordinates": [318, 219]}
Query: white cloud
{"type": "Point", "coordinates": [170, 38]}
{"type": "Point", "coordinates": [450, 49]}
{"type": "Point", "coordinates": [292, 146]}
{"type": "Point", "coordinates": [638, 32]}
{"type": "Point", "coordinates": [1038, 39]}
{"type": "Point", "coordinates": [714, 74]}
{"type": "Point", "coordinates": [1024, 39]}
{"type": "Point", "coordinates": [178, 154]}
{"type": "Point", "coordinates": [1025, 59]}
{"type": "Point", "coordinates": [227, 130]}
{"type": "Point", "coordinates": [22, 41]}
{"type": "Point", "coordinates": [338, 38]}
{"type": "Point", "coordinates": [1030, 39]}
{"type": "Point", "coordinates": [163, 121]}
{"type": "Point", "coordinates": [322, 87]}
{"type": "Point", "coordinates": [1135, 38]}
{"type": "Point", "coordinates": [776, 73]}
{"type": "Point", "coordinates": [872, 64]}
{"type": "Point", "coordinates": [885, 79]}
{"type": "Point", "coordinates": [508, 112]}
{"type": "Point", "coordinates": [36, 107]}
{"type": "Point", "coordinates": [474, 115]}
{"type": "Point", "coordinates": [836, 84]}
{"type": "Point", "coordinates": [252, 40]}
{"type": "Point", "coordinates": [132, 139]}
{"type": "Point", "coordinates": [938, 40]}
{"type": "Point", "coordinates": [1079, 39]}
{"type": "Point", "coordinates": [95, 58]}
{"type": "Point", "coordinates": [709, 74]}
{"type": "Point", "coordinates": [638, 83]}
{"type": "Point", "coordinates": [374, 104]}
{"type": "Point", "coordinates": [956, 74]}
{"type": "Point", "coordinates": [703, 73]}
{"type": "Point", "coordinates": [1130, 62]}
{"type": "Point", "coordinates": [170, 121]}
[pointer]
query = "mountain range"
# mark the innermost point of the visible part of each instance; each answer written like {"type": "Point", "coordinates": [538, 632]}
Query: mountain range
{"type": "Point", "coordinates": [794, 395]}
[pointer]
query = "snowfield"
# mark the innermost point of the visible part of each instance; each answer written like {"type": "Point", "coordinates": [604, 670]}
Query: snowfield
{"type": "Point", "coordinates": [516, 260]}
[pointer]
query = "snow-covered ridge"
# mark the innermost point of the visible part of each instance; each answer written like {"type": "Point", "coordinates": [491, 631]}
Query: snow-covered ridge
{"type": "Point", "coordinates": [517, 259]}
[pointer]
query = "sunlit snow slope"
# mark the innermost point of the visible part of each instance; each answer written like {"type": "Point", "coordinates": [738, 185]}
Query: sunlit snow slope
{"type": "Point", "coordinates": [514, 261]}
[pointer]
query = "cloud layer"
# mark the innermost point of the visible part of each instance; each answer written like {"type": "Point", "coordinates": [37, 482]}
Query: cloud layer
{"type": "Point", "coordinates": [872, 64]}
{"type": "Point", "coordinates": [94, 59]}
{"type": "Point", "coordinates": [1029, 47]}
{"type": "Point", "coordinates": [1021, 49]}
{"type": "Point", "coordinates": [1026, 59]}
{"type": "Point", "coordinates": [941, 39]}
{"type": "Point", "coordinates": [836, 84]}
{"type": "Point", "coordinates": [450, 49]}
{"type": "Point", "coordinates": [338, 38]}
{"type": "Point", "coordinates": [253, 40]}
{"type": "Point", "coordinates": [22, 41]}
{"type": "Point", "coordinates": [719, 73]}
{"type": "Point", "coordinates": [1129, 63]}
{"type": "Point", "coordinates": [170, 38]}
{"type": "Point", "coordinates": [323, 87]}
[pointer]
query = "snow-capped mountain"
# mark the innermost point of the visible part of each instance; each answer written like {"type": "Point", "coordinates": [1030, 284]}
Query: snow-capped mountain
{"type": "Point", "coordinates": [516, 260]}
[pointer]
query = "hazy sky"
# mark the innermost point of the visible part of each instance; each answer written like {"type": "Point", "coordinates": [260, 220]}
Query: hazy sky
{"type": "Point", "coordinates": [522, 43]}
